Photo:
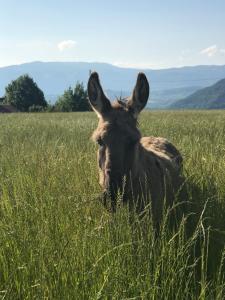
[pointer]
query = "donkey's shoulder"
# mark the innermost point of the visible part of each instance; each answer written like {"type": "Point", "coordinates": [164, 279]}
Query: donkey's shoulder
{"type": "Point", "coordinates": [162, 148]}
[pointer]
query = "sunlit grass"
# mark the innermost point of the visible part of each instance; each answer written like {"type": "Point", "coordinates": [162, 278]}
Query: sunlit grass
{"type": "Point", "coordinates": [58, 242]}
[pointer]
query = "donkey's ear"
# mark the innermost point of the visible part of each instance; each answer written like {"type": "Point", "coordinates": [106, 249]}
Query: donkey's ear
{"type": "Point", "coordinates": [140, 95]}
{"type": "Point", "coordinates": [97, 98]}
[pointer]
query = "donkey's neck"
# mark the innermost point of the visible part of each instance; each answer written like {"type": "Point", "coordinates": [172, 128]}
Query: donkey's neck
{"type": "Point", "coordinates": [136, 174]}
{"type": "Point", "coordinates": [137, 162]}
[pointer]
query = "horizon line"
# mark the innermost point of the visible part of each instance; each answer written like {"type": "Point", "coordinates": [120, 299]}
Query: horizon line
{"type": "Point", "coordinates": [112, 64]}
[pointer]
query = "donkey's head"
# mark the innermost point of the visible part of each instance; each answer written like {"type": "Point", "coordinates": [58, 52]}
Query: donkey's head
{"type": "Point", "coordinates": [117, 134]}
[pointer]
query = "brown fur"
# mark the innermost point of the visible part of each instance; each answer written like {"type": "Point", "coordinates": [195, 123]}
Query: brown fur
{"type": "Point", "coordinates": [139, 168]}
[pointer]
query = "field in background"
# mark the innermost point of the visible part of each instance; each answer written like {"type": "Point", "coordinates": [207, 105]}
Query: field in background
{"type": "Point", "coordinates": [58, 242]}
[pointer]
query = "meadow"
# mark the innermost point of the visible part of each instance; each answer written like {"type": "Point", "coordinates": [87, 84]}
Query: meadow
{"type": "Point", "coordinates": [58, 242]}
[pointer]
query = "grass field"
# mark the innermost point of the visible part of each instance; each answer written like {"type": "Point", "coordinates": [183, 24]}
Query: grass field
{"type": "Point", "coordinates": [58, 242]}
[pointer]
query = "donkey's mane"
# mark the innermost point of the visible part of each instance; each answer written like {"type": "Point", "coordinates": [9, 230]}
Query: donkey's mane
{"type": "Point", "coordinates": [120, 102]}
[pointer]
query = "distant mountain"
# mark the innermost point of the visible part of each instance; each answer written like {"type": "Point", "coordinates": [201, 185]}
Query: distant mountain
{"type": "Point", "coordinates": [212, 97]}
{"type": "Point", "coordinates": [162, 99]}
{"type": "Point", "coordinates": [117, 94]}
{"type": "Point", "coordinates": [166, 84]}
{"type": "Point", "coordinates": [158, 99]}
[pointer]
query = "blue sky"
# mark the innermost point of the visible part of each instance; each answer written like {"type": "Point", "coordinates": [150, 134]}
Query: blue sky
{"type": "Point", "coordinates": [142, 34]}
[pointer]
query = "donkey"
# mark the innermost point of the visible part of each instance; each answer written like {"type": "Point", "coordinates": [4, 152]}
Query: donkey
{"type": "Point", "coordinates": [143, 170]}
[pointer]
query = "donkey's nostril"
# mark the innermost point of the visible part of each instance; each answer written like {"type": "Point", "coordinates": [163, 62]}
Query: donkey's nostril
{"type": "Point", "coordinates": [108, 172]}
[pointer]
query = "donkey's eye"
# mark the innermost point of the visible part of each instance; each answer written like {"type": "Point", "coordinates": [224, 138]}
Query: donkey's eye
{"type": "Point", "coordinates": [100, 142]}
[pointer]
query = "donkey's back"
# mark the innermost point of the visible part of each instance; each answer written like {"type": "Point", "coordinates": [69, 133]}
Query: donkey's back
{"type": "Point", "coordinates": [163, 149]}
{"type": "Point", "coordinates": [159, 174]}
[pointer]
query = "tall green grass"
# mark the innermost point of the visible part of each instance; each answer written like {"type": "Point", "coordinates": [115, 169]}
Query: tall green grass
{"type": "Point", "coordinates": [58, 242]}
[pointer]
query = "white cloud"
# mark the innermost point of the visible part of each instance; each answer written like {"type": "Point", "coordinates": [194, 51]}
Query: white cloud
{"type": "Point", "coordinates": [222, 51]}
{"type": "Point", "coordinates": [64, 45]}
{"type": "Point", "coordinates": [210, 51]}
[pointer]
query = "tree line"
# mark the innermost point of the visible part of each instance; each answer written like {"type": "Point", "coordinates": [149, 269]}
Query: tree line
{"type": "Point", "coordinates": [25, 95]}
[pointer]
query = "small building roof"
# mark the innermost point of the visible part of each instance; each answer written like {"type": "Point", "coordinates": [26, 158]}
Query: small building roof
{"type": "Point", "coordinates": [7, 108]}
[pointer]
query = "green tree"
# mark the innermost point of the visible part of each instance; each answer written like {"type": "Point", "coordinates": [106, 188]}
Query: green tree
{"type": "Point", "coordinates": [65, 102]}
{"type": "Point", "coordinates": [36, 108]}
{"type": "Point", "coordinates": [81, 98]}
{"type": "Point", "coordinates": [73, 100]}
{"type": "Point", "coordinates": [24, 93]}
